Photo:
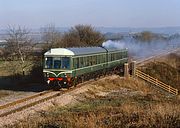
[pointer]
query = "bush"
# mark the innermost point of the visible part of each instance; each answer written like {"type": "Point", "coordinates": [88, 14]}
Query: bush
{"type": "Point", "coordinates": [36, 74]}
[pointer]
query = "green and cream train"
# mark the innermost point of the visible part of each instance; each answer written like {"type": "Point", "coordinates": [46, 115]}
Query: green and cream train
{"type": "Point", "coordinates": [67, 67]}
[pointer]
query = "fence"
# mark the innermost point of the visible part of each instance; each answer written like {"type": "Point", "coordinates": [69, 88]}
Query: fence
{"type": "Point", "coordinates": [156, 82]}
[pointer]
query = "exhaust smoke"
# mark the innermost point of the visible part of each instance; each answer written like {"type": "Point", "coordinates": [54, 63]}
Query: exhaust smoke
{"type": "Point", "coordinates": [140, 50]}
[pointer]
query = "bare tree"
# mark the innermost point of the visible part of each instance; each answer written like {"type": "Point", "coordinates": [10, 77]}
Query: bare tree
{"type": "Point", "coordinates": [19, 47]}
{"type": "Point", "coordinates": [50, 36]}
{"type": "Point", "coordinates": [82, 35]}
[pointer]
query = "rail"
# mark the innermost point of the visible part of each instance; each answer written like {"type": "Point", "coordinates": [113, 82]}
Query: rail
{"type": "Point", "coordinates": [24, 99]}
{"type": "Point", "coordinates": [156, 82]}
{"type": "Point", "coordinates": [37, 101]}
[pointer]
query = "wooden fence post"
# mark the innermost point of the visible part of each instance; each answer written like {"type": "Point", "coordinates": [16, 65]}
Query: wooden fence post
{"type": "Point", "coordinates": [133, 68]}
{"type": "Point", "coordinates": [126, 70]}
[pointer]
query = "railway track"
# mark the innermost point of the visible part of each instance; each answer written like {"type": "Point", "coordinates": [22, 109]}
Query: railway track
{"type": "Point", "coordinates": [17, 105]}
{"type": "Point", "coordinates": [22, 104]}
{"type": "Point", "coordinates": [24, 99]}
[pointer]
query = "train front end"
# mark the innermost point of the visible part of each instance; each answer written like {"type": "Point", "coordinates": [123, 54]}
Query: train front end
{"type": "Point", "coordinates": [57, 67]}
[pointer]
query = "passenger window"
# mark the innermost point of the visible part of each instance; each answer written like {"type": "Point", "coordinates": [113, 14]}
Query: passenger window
{"type": "Point", "coordinates": [90, 60]}
{"type": "Point", "coordinates": [119, 55]}
{"type": "Point", "coordinates": [94, 61]}
{"type": "Point", "coordinates": [111, 56]}
{"type": "Point", "coordinates": [74, 63]}
{"type": "Point", "coordinates": [81, 62]}
{"type": "Point", "coordinates": [98, 59]}
{"type": "Point", "coordinates": [116, 56]}
{"type": "Point", "coordinates": [77, 63]}
{"type": "Point", "coordinates": [104, 58]}
{"type": "Point", "coordinates": [85, 61]}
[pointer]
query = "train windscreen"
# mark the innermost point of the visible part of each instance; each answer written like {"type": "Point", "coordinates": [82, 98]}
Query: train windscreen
{"type": "Point", "coordinates": [49, 62]}
{"type": "Point", "coordinates": [57, 63]}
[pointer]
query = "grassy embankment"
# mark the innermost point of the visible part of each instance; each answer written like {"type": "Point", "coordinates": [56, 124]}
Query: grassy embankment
{"type": "Point", "coordinates": [166, 69]}
{"type": "Point", "coordinates": [113, 102]}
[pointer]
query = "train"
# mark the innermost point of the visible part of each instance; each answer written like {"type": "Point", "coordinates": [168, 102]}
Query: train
{"type": "Point", "coordinates": [66, 67]}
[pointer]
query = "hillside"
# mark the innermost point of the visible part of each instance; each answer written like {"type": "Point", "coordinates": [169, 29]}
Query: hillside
{"type": "Point", "coordinates": [166, 69]}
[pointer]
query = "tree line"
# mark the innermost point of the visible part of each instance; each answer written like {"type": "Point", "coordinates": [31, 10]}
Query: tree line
{"type": "Point", "coordinates": [20, 48]}
{"type": "Point", "coordinates": [77, 36]}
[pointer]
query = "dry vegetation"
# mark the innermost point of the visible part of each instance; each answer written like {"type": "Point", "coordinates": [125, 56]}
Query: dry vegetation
{"type": "Point", "coordinates": [4, 93]}
{"type": "Point", "coordinates": [10, 78]}
{"type": "Point", "coordinates": [3, 71]}
{"type": "Point", "coordinates": [112, 103]}
{"type": "Point", "coordinates": [166, 69]}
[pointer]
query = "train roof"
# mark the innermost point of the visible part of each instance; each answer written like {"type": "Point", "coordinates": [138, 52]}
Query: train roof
{"type": "Point", "coordinates": [87, 50]}
{"type": "Point", "coordinates": [77, 51]}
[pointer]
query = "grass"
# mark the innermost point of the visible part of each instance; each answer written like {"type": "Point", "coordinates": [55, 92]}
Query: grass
{"type": "Point", "coordinates": [167, 70]}
{"type": "Point", "coordinates": [4, 94]}
{"type": "Point", "coordinates": [124, 103]}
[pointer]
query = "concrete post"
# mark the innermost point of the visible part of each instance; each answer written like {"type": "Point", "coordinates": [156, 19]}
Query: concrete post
{"type": "Point", "coordinates": [126, 70]}
{"type": "Point", "coordinates": [133, 68]}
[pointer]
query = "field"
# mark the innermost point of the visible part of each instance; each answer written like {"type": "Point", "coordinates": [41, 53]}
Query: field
{"type": "Point", "coordinates": [13, 84]}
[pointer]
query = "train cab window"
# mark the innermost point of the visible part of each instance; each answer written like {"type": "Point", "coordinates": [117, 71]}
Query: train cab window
{"type": "Point", "coordinates": [48, 62]}
{"type": "Point", "coordinates": [65, 62]}
{"type": "Point", "coordinates": [57, 63]}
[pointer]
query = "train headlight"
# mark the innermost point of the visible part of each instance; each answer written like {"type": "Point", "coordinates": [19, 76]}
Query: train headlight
{"type": "Point", "coordinates": [48, 81]}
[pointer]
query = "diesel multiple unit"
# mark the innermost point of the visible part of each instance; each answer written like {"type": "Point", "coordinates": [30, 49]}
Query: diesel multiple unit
{"type": "Point", "coordinates": [66, 67]}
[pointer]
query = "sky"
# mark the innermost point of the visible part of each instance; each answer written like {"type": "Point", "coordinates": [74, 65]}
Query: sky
{"type": "Point", "coordinates": [98, 13]}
